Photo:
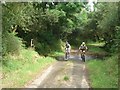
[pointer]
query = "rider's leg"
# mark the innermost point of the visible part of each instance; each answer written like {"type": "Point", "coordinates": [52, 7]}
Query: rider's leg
{"type": "Point", "coordinates": [84, 55]}
{"type": "Point", "coordinates": [69, 52]}
{"type": "Point", "coordinates": [66, 54]}
{"type": "Point", "coordinates": [81, 53]}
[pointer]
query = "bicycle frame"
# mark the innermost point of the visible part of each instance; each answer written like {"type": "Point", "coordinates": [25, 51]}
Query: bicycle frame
{"type": "Point", "coordinates": [66, 54]}
{"type": "Point", "coordinates": [83, 55]}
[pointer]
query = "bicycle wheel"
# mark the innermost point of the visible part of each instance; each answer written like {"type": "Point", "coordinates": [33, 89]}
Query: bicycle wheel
{"type": "Point", "coordinates": [83, 57]}
{"type": "Point", "coordinates": [66, 56]}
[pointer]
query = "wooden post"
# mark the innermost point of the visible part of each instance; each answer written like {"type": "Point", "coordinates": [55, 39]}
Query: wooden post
{"type": "Point", "coordinates": [31, 43]}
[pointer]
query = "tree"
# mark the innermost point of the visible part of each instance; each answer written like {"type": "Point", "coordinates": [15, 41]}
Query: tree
{"type": "Point", "coordinates": [15, 15]}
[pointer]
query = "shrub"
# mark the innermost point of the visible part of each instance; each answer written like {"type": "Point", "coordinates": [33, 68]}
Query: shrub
{"type": "Point", "coordinates": [11, 44]}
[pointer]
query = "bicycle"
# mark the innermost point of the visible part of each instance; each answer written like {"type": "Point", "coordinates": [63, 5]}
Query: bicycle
{"type": "Point", "coordinates": [83, 55]}
{"type": "Point", "coordinates": [67, 54]}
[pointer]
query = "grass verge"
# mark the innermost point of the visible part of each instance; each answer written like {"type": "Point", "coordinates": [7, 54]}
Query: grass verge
{"type": "Point", "coordinates": [103, 73]}
{"type": "Point", "coordinates": [95, 47]}
{"type": "Point", "coordinates": [18, 70]}
{"type": "Point", "coordinates": [55, 54]}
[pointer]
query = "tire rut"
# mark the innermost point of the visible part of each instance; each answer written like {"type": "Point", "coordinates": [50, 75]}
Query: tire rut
{"type": "Point", "coordinates": [73, 69]}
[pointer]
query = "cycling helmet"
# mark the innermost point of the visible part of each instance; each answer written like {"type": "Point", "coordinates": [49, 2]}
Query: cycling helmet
{"type": "Point", "coordinates": [83, 43]}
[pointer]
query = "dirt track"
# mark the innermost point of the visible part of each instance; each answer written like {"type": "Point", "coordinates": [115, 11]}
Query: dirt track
{"type": "Point", "coordinates": [55, 76]}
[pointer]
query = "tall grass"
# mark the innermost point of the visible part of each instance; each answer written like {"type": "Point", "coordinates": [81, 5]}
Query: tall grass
{"type": "Point", "coordinates": [18, 70]}
{"type": "Point", "coordinates": [103, 73]}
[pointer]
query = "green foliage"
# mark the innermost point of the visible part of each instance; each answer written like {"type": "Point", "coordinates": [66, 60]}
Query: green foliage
{"type": "Point", "coordinates": [11, 44]}
{"type": "Point", "coordinates": [66, 78]}
{"type": "Point", "coordinates": [95, 49]}
{"type": "Point", "coordinates": [101, 25]}
{"type": "Point", "coordinates": [108, 25]}
{"type": "Point", "coordinates": [23, 68]}
{"type": "Point", "coordinates": [103, 74]}
{"type": "Point", "coordinates": [15, 14]}
{"type": "Point", "coordinates": [46, 23]}
{"type": "Point", "coordinates": [115, 47]}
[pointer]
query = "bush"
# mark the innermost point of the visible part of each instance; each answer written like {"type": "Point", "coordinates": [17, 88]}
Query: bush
{"type": "Point", "coordinates": [11, 43]}
{"type": "Point", "coordinates": [47, 43]}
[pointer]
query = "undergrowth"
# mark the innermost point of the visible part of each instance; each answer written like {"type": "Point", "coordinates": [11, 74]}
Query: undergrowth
{"type": "Point", "coordinates": [103, 73]}
{"type": "Point", "coordinates": [18, 70]}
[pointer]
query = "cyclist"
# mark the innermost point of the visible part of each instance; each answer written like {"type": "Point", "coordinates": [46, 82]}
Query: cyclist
{"type": "Point", "coordinates": [67, 50]}
{"type": "Point", "coordinates": [83, 48]}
